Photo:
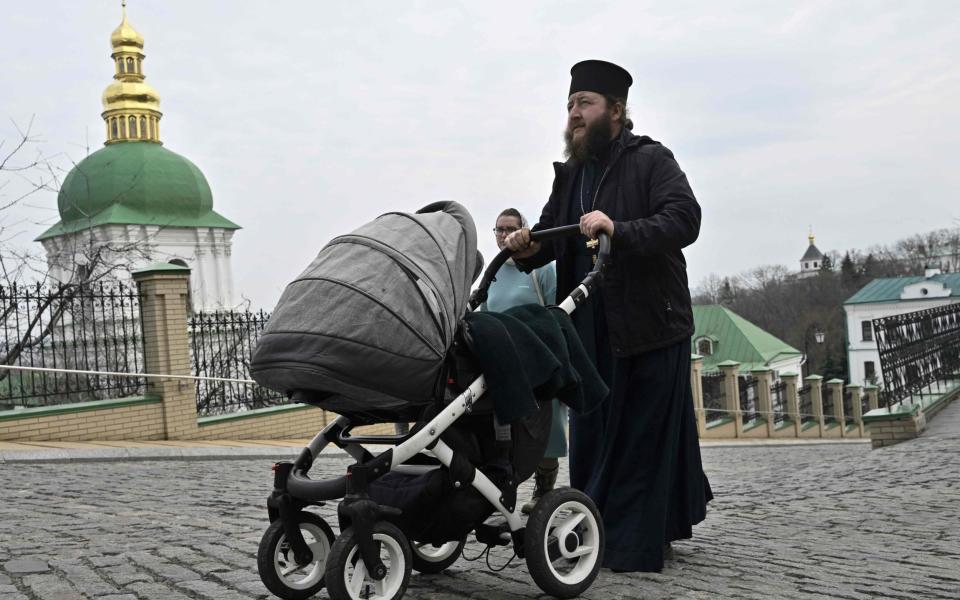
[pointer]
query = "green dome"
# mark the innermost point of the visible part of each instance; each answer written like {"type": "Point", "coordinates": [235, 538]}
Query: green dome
{"type": "Point", "coordinates": [139, 183]}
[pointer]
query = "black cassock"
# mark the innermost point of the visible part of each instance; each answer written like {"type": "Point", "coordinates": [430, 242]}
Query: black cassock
{"type": "Point", "coordinates": [638, 456]}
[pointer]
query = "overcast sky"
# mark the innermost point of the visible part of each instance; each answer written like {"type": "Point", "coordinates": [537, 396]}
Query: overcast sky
{"type": "Point", "coordinates": [310, 118]}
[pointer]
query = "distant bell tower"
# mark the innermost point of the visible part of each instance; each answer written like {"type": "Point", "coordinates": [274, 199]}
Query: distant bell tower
{"type": "Point", "coordinates": [812, 259]}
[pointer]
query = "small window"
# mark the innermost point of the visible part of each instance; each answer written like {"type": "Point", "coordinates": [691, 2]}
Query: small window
{"type": "Point", "coordinates": [113, 129]}
{"type": "Point", "coordinates": [806, 265]}
{"type": "Point", "coordinates": [120, 65]}
{"type": "Point", "coordinates": [815, 265]}
{"type": "Point", "coordinates": [866, 328]}
{"type": "Point", "coordinates": [704, 347]}
{"type": "Point", "coordinates": [869, 371]}
{"type": "Point", "coordinates": [143, 127]}
{"type": "Point", "coordinates": [130, 65]}
{"type": "Point", "coordinates": [133, 127]}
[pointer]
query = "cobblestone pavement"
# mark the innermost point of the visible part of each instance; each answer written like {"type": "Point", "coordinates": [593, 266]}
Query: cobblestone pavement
{"type": "Point", "coordinates": [788, 522]}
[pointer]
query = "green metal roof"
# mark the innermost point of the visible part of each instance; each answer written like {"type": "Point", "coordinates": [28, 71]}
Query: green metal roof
{"type": "Point", "coordinates": [890, 288]}
{"type": "Point", "coordinates": [736, 339]}
{"type": "Point", "coordinates": [139, 183]}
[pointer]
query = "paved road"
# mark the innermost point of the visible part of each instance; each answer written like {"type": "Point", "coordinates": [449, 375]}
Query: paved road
{"type": "Point", "coordinates": [788, 522]}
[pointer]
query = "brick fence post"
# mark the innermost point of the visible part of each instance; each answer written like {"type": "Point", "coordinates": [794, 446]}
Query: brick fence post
{"type": "Point", "coordinates": [731, 390]}
{"type": "Point", "coordinates": [696, 386]}
{"type": "Point", "coordinates": [856, 408]}
{"type": "Point", "coordinates": [835, 389]}
{"type": "Point", "coordinates": [164, 290]}
{"type": "Point", "coordinates": [873, 397]}
{"type": "Point", "coordinates": [816, 399]}
{"type": "Point", "coordinates": [792, 392]}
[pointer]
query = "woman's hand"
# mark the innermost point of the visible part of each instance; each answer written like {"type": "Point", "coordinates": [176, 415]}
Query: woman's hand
{"type": "Point", "coordinates": [519, 243]}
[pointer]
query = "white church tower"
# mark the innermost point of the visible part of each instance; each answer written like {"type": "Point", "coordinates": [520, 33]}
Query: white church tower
{"type": "Point", "coordinates": [812, 259]}
{"type": "Point", "coordinates": [133, 202]}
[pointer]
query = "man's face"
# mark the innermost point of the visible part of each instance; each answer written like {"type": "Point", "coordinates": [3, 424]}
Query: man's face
{"type": "Point", "coordinates": [590, 125]}
{"type": "Point", "coordinates": [505, 226]}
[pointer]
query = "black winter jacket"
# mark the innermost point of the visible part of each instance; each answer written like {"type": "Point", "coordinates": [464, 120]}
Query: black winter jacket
{"type": "Point", "coordinates": [655, 215]}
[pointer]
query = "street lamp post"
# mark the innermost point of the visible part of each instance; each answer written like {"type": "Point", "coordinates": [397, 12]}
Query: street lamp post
{"type": "Point", "coordinates": [818, 336]}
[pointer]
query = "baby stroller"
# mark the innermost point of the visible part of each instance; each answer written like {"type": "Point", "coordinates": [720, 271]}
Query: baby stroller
{"type": "Point", "coordinates": [334, 342]}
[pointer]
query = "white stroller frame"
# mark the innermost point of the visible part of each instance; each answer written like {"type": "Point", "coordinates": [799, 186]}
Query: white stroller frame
{"type": "Point", "coordinates": [293, 490]}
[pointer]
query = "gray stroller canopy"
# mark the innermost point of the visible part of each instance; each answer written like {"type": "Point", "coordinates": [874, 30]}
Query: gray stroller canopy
{"type": "Point", "coordinates": [367, 325]}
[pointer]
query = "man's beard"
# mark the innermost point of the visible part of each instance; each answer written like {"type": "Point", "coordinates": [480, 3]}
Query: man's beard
{"type": "Point", "coordinates": [593, 143]}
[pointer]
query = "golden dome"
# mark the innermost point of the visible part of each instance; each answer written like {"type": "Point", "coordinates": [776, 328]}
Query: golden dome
{"type": "Point", "coordinates": [131, 108]}
{"type": "Point", "coordinates": [130, 94]}
{"type": "Point", "coordinates": [125, 34]}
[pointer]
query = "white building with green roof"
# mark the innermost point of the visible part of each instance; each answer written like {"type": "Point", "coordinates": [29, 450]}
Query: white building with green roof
{"type": "Point", "coordinates": [134, 202]}
{"type": "Point", "coordinates": [884, 298]}
{"type": "Point", "coordinates": [721, 335]}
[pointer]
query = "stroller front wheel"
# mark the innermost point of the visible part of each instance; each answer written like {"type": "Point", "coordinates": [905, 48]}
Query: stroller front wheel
{"type": "Point", "coordinates": [278, 568]}
{"type": "Point", "coordinates": [347, 577]}
{"type": "Point", "coordinates": [431, 559]}
{"type": "Point", "coordinates": [563, 542]}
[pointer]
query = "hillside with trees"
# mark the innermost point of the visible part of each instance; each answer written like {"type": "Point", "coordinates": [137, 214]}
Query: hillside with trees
{"type": "Point", "coordinates": [794, 309]}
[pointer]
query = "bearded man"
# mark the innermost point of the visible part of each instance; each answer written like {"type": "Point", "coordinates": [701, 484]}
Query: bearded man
{"type": "Point", "coordinates": [638, 457]}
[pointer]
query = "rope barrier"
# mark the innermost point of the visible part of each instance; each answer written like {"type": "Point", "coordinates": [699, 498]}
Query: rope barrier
{"type": "Point", "coordinates": [131, 375]}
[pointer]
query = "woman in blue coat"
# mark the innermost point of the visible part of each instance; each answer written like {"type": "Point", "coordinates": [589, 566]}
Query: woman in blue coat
{"type": "Point", "coordinates": [513, 287]}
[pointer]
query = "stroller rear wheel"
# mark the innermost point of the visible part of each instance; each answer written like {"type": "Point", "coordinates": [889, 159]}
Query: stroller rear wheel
{"type": "Point", "coordinates": [563, 542]}
{"type": "Point", "coordinates": [279, 570]}
{"type": "Point", "coordinates": [347, 577]}
{"type": "Point", "coordinates": [431, 559]}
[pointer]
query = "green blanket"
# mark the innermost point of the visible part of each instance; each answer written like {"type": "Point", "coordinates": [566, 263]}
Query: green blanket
{"type": "Point", "coordinates": [532, 354]}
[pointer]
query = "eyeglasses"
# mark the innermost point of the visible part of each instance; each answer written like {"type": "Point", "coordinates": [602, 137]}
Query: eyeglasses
{"type": "Point", "coordinates": [505, 230]}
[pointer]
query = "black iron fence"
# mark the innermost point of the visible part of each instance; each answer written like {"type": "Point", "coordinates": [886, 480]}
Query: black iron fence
{"type": "Point", "coordinates": [827, 405]}
{"type": "Point", "coordinates": [221, 345]}
{"type": "Point", "coordinates": [778, 401]}
{"type": "Point", "coordinates": [805, 404]}
{"type": "Point", "coordinates": [918, 351]}
{"type": "Point", "coordinates": [864, 404]}
{"type": "Point", "coordinates": [749, 401]}
{"type": "Point", "coordinates": [94, 327]}
{"type": "Point", "coordinates": [714, 396]}
{"type": "Point", "coordinates": [848, 401]}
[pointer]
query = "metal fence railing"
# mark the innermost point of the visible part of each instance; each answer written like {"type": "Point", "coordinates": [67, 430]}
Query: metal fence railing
{"type": "Point", "coordinates": [749, 402]}
{"type": "Point", "coordinates": [221, 345]}
{"type": "Point", "coordinates": [778, 401]}
{"type": "Point", "coordinates": [848, 401]}
{"type": "Point", "coordinates": [93, 327]}
{"type": "Point", "coordinates": [806, 404]}
{"type": "Point", "coordinates": [918, 351]}
{"type": "Point", "coordinates": [714, 396]}
{"type": "Point", "coordinates": [828, 408]}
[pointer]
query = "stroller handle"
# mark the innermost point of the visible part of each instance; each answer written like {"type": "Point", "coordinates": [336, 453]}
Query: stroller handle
{"type": "Point", "coordinates": [593, 278]}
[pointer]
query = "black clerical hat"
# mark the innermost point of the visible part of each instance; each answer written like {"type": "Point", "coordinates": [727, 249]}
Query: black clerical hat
{"type": "Point", "coordinates": [601, 77]}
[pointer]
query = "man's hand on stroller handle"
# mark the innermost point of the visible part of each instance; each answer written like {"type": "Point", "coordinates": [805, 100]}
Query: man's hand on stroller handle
{"type": "Point", "coordinates": [596, 222]}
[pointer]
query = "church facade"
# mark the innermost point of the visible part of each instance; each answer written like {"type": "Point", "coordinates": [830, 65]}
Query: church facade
{"type": "Point", "coordinates": [134, 202]}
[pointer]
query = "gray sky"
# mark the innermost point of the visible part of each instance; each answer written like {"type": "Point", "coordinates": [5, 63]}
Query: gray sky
{"type": "Point", "coordinates": [310, 118]}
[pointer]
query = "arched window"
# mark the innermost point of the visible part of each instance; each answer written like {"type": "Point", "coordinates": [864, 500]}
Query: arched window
{"type": "Point", "coordinates": [123, 127]}
{"type": "Point", "coordinates": [133, 127]}
{"type": "Point", "coordinates": [130, 65]}
{"type": "Point", "coordinates": [120, 66]}
{"type": "Point", "coordinates": [143, 128]}
{"type": "Point", "coordinates": [113, 129]}
{"type": "Point", "coordinates": [704, 346]}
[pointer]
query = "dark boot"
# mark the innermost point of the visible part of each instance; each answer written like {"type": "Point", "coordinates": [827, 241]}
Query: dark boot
{"type": "Point", "coordinates": [543, 481]}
